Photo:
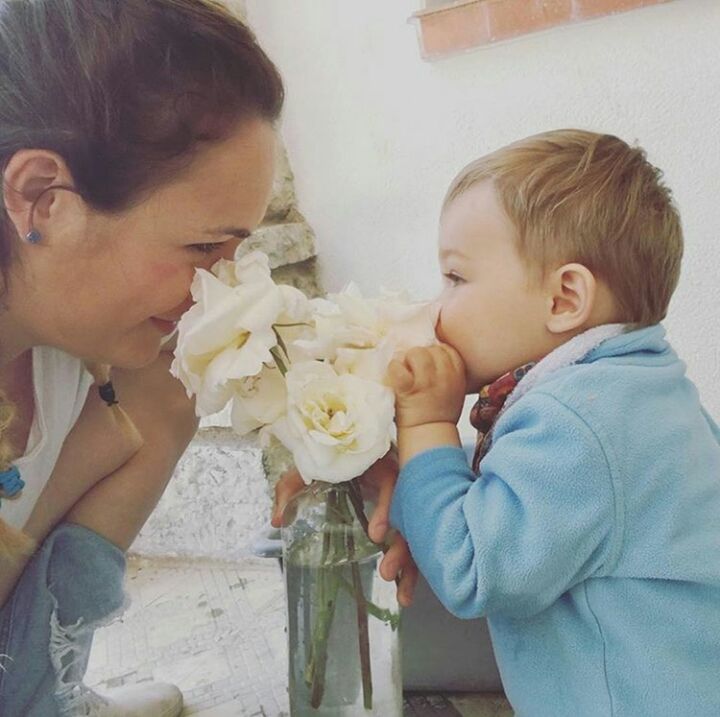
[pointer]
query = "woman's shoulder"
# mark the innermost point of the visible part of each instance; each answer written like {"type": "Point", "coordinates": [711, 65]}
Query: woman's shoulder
{"type": "Point", "coordinates": [61, 383]}
{"type": "Point", "coordinates": [68, 372]}
{"type": "Point", "coordinates": [156, 401]}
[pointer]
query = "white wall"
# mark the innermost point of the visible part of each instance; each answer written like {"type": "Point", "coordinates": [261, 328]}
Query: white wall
{"type": "Point", "coordinates": [375, 134]}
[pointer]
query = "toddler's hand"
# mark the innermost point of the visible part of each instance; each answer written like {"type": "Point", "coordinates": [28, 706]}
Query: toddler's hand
{"type": "Point", "coordinates": [429, 384]}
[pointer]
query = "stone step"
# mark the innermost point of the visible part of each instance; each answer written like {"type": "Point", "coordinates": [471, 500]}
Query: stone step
{"type": "Point", "coordinates": [216, 503]}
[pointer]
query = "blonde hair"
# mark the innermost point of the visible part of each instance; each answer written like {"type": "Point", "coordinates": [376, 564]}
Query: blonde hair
{"type": "Point", "coordinates": [578, 196]}
{"type": "Point", "coordinates": [15, 544]}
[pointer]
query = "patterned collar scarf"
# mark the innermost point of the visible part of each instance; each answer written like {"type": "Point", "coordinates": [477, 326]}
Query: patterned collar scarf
{"type": "Point", "coordinates": [489, 404]}
{"type": "Point", "coordinates": [493, 398]}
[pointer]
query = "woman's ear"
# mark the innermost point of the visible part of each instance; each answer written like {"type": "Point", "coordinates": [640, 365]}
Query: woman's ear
{"type": "Point", "coordinates": [571, 298]}
{"type": "Point", "coordinates": [27, 177]}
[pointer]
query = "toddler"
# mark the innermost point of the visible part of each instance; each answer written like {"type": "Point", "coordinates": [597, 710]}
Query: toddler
{"type": "Point", "coordinates": [588, 528]}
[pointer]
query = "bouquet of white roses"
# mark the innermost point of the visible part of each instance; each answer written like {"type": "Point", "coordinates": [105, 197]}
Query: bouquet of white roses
{"type": "Point", "coordinates": [308, 371]}
{"type": "Point", "coordinates": [311, 373]}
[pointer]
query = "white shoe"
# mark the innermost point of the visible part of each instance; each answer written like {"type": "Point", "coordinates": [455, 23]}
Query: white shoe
{"type": "Point", "coordinates": [145, 699]}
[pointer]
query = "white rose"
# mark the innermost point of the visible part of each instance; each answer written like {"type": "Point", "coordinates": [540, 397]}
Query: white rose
{"type": "Point", "coordinates": [294, 323]}
{"type": "Point", "coordinates": [226, 335]}
{"type": "Point", "coordinates": [253, 267]}
{"type": "Point", "coordinates": [224, 270]}
{"type": "Point", "coordinates": [248, 269]}
{"type": "Point", "coordinates": [344, 319]}
{"type": "Point", "coordinates": [294, 320]}
{"type": "Point", "coordinates": [336, 426]}
{"type": "Point", "coordinates": [361, 335]}
{"type": "Point", "coordinates": [370, 364]}
{"type": "Point", "coordinates": [258, 400]}
{"type": "Point", "coordinates": [407, 323]}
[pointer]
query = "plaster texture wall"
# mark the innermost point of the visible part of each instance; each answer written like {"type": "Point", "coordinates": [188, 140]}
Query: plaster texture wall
{"type": "Point", "coordinates": [375, 134]}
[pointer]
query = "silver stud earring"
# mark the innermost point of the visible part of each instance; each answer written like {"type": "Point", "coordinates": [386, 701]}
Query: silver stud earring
{"type": "Point", "coordinates": [34, 236]}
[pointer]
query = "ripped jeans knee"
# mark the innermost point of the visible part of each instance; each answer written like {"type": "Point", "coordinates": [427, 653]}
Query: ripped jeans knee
{"type": "Point", "coordinates": [72, 586]}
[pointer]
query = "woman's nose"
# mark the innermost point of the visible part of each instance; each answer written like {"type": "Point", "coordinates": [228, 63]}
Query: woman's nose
{"type": "Point", "coordinates": [180, 310]}
{"type": "Point", "coordinates": [229, 248]}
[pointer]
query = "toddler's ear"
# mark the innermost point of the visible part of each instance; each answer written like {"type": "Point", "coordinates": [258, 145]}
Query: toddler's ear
{"type": "Point", "coordinates": [571, 291]}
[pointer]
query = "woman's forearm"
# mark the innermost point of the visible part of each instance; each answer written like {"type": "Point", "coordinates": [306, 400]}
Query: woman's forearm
{"type": "Point", "coordinates": [10, 572]}
{"type": "Point", "coordinates": [118, 505]}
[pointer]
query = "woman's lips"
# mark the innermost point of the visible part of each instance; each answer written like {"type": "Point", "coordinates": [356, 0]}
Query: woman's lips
{"type": "Point", "coordinates": [165, 327]}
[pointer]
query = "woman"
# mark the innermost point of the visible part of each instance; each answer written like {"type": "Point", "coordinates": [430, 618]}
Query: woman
{"type": "Point", "coordinates": [136, 145]}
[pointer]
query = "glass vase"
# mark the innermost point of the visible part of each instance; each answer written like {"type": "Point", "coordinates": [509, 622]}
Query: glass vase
{"type": "Point", "coordinates": [343, 618]}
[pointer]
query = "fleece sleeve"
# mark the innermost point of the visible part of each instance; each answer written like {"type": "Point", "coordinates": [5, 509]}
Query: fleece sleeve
{"type": "Point", "coordinates": [538, 520]}
{"type": "Point", "coordinates": [713, 426]}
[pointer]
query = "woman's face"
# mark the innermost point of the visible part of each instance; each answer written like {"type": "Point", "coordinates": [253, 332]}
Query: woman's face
{"type": "Point", "coordinates": [113, 295]}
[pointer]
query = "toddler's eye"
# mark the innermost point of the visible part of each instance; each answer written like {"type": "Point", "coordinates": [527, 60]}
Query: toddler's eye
{"type": "Point", "coordinates": [453, 279]}
{"type": "Point", "coordinates": [208, 248]}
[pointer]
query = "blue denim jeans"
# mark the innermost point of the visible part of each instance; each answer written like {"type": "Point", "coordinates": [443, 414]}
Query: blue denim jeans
{"type": "Point", "coordinates": [72, 585]}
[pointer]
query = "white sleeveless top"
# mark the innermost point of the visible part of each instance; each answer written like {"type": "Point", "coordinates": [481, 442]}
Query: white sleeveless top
{"type": "Point", "coordinates": [61, 384]}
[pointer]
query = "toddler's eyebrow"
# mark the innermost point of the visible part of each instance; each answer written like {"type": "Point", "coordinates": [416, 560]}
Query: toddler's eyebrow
{"type": "Point", "coordinates": [445, 253]}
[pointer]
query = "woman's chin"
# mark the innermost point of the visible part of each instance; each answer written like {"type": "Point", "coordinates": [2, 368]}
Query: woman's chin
{"type": "Point", "coordinates": [132, 357]}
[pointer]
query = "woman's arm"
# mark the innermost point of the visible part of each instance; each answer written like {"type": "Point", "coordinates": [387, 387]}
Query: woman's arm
{"type": "Point", "coordinates": [93, 449]}
{"type": "Point", "coordinates": [119, 505]}
{"type": "Point", "coordinates": [100, 480]}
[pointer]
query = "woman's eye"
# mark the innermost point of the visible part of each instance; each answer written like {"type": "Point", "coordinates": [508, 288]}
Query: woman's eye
{"type": "Point", "coordinates": [453, 279]}
{"type": "Point", "coordinates": [208, 248]}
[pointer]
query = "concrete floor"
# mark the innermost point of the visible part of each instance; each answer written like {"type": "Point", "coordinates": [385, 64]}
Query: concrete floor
{"type": "Point", "coordinates": [217, 631]}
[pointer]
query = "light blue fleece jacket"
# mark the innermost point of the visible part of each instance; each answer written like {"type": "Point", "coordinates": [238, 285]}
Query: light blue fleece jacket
{"type": "Point", "coordinates": [591, 539]}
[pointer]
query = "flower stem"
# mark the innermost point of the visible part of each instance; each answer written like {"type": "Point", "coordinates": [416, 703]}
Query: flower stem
{"type": "Point", "coordinates": [361, 610]}
{"type": "Point", "coordinates": [280, 342]}
{"type": "Point", "coordinates": [319, 656]}
{"type": "Point", "coordinates": [327, 588]}
{"type": "Point", "coordinates": [338, 550]}
{"type": "Point", "coordinates": [357, 503]}
{"type": "Point", "coordinates": [363, 637]}
{"type": "Point", "coordinates": [382, 614]}
{"type": "Point", "coordinates": [279, 361]}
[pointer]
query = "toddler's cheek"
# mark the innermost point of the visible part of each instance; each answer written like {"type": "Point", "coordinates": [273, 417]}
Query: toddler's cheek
{"type": "Point", "coordinates": [440, 330]}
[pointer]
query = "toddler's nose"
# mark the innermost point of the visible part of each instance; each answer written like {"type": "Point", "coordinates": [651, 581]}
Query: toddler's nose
{"type": "Point", "coordinates": [437, 308]}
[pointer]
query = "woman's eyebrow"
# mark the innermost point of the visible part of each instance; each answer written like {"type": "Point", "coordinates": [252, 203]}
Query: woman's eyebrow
{"type": "Point", "coordinates": [231, 231]}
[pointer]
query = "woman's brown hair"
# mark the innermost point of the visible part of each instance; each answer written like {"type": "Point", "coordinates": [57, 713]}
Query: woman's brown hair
{"type": "Point", "coordinates": [125, 91]}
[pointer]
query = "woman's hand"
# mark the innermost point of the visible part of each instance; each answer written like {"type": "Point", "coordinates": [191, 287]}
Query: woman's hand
{"type": "Point", "coordinates": [378, 483]}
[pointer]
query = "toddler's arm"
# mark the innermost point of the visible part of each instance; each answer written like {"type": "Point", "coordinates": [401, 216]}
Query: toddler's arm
{"type": "Point", "coordinates": [713, 426]}
{"type": "Point", "coordinates": [540, 518]}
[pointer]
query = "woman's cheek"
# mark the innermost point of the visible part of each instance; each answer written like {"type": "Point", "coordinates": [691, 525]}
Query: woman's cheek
{"type": "Point", "coordinates": [165, 272]}
{"type": "Point", "coordinates": [171, 279]}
